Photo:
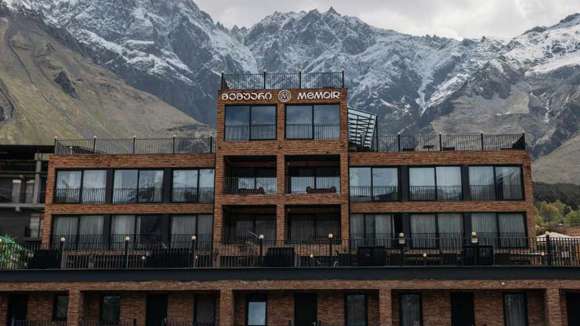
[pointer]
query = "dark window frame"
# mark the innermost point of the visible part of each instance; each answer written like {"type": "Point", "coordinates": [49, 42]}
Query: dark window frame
{"type": "Point", "coordinates": [55, 316]}
{"type": "Point", "coordinates": [79, 200]}
{"type": "Point", "coordinates": [436, 185]}
{"type": "Point", "coordinates": [313, 124]}
{"type": "Point", "coordinates": [366, 307]}
{"type": "Point", "coordinates": [101, 307]}
{"type": "Point", "coordinates": [197, 187]}
{"type": "Point", "coordinates": [437, 234]}
{"type": "Point", "coordinates": [196, 217]}
{"type": "Point", "coordinates": [497, 229]}
{"type": "Point", "coordinates": [314, 175]}
{"type": "Point", "coordinates": [55, 241]}
{"type": "Point", "coordinates": [137, 188]}
{"type": "Point", "coordinates": [420, 307]}
{"type": "Point", "coordinates": [254, 177]}
{"type": "Point", "coordinates": [228, 238]}
{"type": "Point", "coordinates": [372, 197]}
{"type": "Point", "coordinates": [256, 298]}
{"type": "Point", "coordinates": [250, 124]}
{"type": "Point", "coordinates": [195, 308]}
{"type": "Point", "coordinates": [525, 297]}
{"type": "Point", "coordinates": [394, 217]}
{"type": "Point", "coordinates": [499, 194]}
{"type": "Point", "coordinates": [315, 221]}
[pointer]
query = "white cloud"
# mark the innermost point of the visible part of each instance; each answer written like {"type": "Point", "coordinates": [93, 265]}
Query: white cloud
{"type": "Point", "coordinates": [452, 18]}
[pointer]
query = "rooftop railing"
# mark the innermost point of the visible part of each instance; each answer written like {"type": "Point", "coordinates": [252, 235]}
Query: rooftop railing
{"type": "Point", "coordinates": [174, 145]}
{"type": "Point", "coordinates": [451, 249]}
{"type": "Point", "coordinates": [433, 143]}
{"type": "Point", "coordinates": [267, 80]}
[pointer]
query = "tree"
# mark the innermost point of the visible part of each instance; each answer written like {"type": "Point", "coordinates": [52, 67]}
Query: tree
{"type": "Point", "coordinates": [573, 218]}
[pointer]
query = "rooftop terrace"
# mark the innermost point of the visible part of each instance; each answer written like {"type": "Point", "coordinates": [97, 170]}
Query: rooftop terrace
{"type": "Point", "coordinates": [268, 80]}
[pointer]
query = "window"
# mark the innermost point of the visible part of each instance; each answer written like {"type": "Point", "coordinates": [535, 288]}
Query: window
{"type": "Point", "coordinates": [185, 186]}
{"type": "Point", "coordinates": [509, 182]}
{"type": "Point", "coordinates": [313, 228]}
{"type": "Point", "coordinates": [250, 122]}
{"type": "Point", "coordinates": [256, 311]}
{"type": "Point", "coordinates": [372, 230]}
{"type": "Point", "coordinates": [305, 180]}
{"type": "Point", "coordinates": [142, 231]}
{"type": "Point", "coordinates": [110, 309]}
{"type": "Point", "coordinates": [260, 180]}
{"type": "Point", "coordinates": [422, 184]}
{"type": "Point", "coordinates": [68, 186]}
{"type": "Point", "coordinates": [144, 186]}
{"type": "Point", "coordinates": [69, 189]}
{"type": "Point", "coordinates": [510, 228]}
{"type": "Point", "coordinates": [82, 232]}
{"type": "Point", "coordinates": [60, 308]}
{"type": "Point", "coordinates": [204, 310]}
{"type": "Point", "coordinates": [206, 185]}
{"type": "Point", "coordinates": [495, 183]}
{"type": "Point", "coordinates": [424, 230]}
{"type": "Point", "coordinates": [183, 227]}
{"type": "Point", "coordinates": [378, 184]}
{"type": "Point", "coordinates": [515, 309]}
{"type": "Point", "coordinates": [94, 186]}
{"type": "Point", "coordinates": [356, 310]}
{"type": "Point", "coordinates": [241, 228]}
{"type": "Point", "coordinates": [312, 122]}
{"type": "Point", "coordinates": [410, 307]}
{"type": "Point", "coordinates": [34, 223]}
{"type": "Point", "coordinates": [439, 183]}
{"type": "Point", "coordinates": [450, 230]}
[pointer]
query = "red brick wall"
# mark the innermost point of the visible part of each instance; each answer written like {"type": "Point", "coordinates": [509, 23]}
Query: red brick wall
{"type": "Point", "coordinates": [133, 306]}
{"type": "Point", "coordinates": [40, 306]}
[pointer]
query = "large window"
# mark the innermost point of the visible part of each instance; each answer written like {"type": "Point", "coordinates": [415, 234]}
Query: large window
{"type": "Point", "coordinates": [312, 122]}
{"type": "Point", "coordinates": [374, 184]}
{"type": "Point", "coordinates": [83, 232]}
{"type": "Point", "coordinates": [495, 183]}
{"type": "Point", "coordinates": [436, 230]}
{"type": "Point", "coordinates": [306, 179]}
{"type": "Point", "coordinates": [410, 308]}
{"type": "Point", "coordinates": [250, 122]}
{"type": "Point", "coordinates": [60, 308]}
{"type": "Point", "coordinates": [141, 231]}
{"type": "Point", "coordinates": [251, 180]}
{"type": "Point", "coordinates": [88, 186]}
{"type": "Point", "coordinates": [110, 309]}
{"type": "Point", "coordinates": [143, 186]}
{"type": "Point", "coordinates": [356, 310]}
{"type": "Point", "coordinates": [192, 185]}
{"type": "Point", "coordinates": [242, 228]}
{"type": "Point", "coordinates": [372, 230]}
{"type": "Point", "coordinates": [509, 228]}
{"type": "Point", "coordinates": [183, 227]}
{"type": "Point", "coordinates": [515, 309]}
{"type": "Point", "coordinates": [256, 311]}
{"type": "Point", "coordinates": [435, 183]}
{"type": "Point", "coordinates": [315, 227]}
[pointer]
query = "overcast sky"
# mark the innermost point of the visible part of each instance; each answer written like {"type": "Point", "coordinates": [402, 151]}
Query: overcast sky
{"type": "Point", "coordinates": [452, 18]}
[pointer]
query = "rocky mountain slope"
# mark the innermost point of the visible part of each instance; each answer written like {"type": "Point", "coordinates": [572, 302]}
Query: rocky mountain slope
{"type": "Point", "coordinates": [414, 83]}
{"type": "Point", "coordinates": [48, 90]}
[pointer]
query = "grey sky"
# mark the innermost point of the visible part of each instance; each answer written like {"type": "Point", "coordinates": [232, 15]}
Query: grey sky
{"type": "Point", "coordinates": [452, 18]}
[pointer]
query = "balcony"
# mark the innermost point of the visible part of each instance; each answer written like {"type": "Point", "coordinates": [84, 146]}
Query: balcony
{"type": "Point", "coordinates": [374, 193]}
{"type": "Point", "coordinates": [250, 175]}
{"type": "Point", "coordinates": [313, 174]}
{"type": "Point", "coordinates": [392, 251]}
{"type": "Point", "coordinates": [175, 145]}
{"type": "Point", "coordinates": [267, 80]}
{"type": "Point", "coordinates": [14, 191]}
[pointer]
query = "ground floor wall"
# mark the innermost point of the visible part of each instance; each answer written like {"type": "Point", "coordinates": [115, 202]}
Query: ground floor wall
{"type": "Point", "coordinates": [545, 301]}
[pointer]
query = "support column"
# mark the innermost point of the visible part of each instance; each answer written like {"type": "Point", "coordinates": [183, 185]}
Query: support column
{"type": "Point", "coordinates": [553, 307]}
{"type": "Point", "coordinates": [75, 307]}
{"type": "Point", "coordinates": [226, 314]}
{"type": "Point", "coordinates": [385, 307]}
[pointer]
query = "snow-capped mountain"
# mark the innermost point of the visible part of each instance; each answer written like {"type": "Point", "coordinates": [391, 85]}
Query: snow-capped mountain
{"type": "Point", "coordinates": [174, 50]}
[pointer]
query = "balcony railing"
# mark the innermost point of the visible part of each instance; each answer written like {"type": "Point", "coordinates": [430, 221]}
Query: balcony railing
{"type": "Point", "coordinates": [435, 193]}
{"type": "Point", "coordinates": [250, 185]}
{"type": "Point", "coordinates": [314, 184]}
{"type": "Point", "coordinates": [370, 250]}
{"type": "Point", "coordinates": [374, 193]}
{"type": "Point", "coordinates": [9, 194]}
{"type": "Point", "coordinates": [37, 323]}
{"type": "Point", "coordinates": [312, 131]}
{"type": "Point", "coordinates": [255, 132]}
{"type": "Point", "coordinates": [173, 145]}
{"type": "Point", "coordinates": [268, 80]}
{"type": "Point", "coordinates": [430, 143]}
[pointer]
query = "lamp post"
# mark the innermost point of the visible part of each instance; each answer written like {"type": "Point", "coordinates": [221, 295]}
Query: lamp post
{"type": "Point", "coordinates": [127, 239]}
{"type": "Point", "coordinates": [62, 241]}
{"type": "Point", "coordinates": [330, 238]}
{"type": "Point", "coordinates": [474, 239]}
{"type": "Point", "coordinates": [402, 242]}
{"type": "Point", "coordinates": [261, 243]}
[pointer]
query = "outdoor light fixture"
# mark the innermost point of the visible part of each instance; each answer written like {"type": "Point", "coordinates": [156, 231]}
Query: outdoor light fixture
{"type": "Point", "coordinates": [193, 237]}
{"type": "Point", "coordinates": [424, 255]}
{"type": "Point", "coordinates": [402, 239]}
{"type": "Point", "coordinates": [261, 237]}
{"type": "Point", "coordinates": [311, 255]}
{"type": "Point", "coordinates": [62, 239]}
{"type": "Point", "coordinates": [127, 238]}
{"type": "Point", "coordinates": [474, 239]}
{"type": "Point", "coordinates": [330, 235]}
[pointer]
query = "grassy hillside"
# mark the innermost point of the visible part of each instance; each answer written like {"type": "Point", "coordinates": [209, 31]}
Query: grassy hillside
{"type": "Point", "coordinates": [562, 165]}
{"type": "Point", "coordinates": [48, 90]}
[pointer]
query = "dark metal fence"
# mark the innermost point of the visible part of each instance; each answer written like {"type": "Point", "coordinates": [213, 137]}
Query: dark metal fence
{"type": "Point", "coordinates": [250, 185]}
{"type": "Point", "coordinates": [37, 323]}
{"type": "Point", "coordinates": [430, 143]}
{"type": "Point", "coordinates": [175, 145]}
{"type": "Point", "coordinates": [374, 193]}
{"type": "Point", "coordinates": [453, 249]}
{"type": "Point", "coordinates": [267, 80]}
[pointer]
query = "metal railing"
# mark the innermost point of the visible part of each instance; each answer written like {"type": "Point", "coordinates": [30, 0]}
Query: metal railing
{"type": "Point", "coordinates": [433, 142]}
{"type": "Point", "coordinates": [435, 192]}
{"type": "Point", "coordinates": [374, 193]}
{"type": "Point", "coordinates": [313, 184]}
{"type": "Point", "coordinates": [174, 145]}
{"type": "Point", "coordinates": [312, 131]}
{"type": "Point", "coordinates": [255, 132]}
{"type": "Point", "coordinates": [250, 185]}
{"type": "Point", "coordinates": [37, 323]}
{"type": "Point", "coordinates": [267, 80]}
{"type": "Point", "coordinates": [452, 249]}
